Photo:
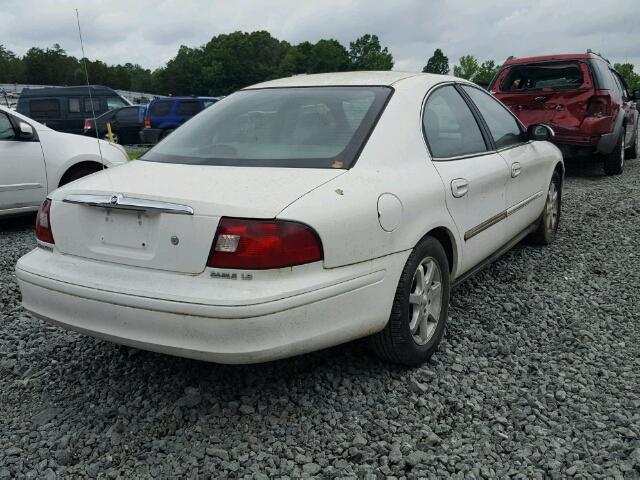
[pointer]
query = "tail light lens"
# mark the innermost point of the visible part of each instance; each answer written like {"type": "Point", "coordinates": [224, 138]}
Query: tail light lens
{"type": "Point", "coordinates": [43, 223]}
{"type": "Point", "coordinates": [88, 124]}
{"type": "Point", "coordinates": [263, 244]}
{"type": "Point", "coordinates": [599, 106]}
{"type": "Point", "coordinates": [147, 123]}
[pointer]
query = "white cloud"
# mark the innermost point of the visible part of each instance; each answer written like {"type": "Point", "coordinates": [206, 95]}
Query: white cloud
{"type": "Point", "coordinates": [150, 32]}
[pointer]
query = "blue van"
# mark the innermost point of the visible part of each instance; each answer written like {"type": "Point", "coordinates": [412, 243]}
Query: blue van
{"type": "Point", "coordinates": [164, 115]}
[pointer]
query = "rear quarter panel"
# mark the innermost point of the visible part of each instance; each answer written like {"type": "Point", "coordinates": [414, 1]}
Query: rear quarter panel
{"type": "Point", "coordinates": [395, 160]}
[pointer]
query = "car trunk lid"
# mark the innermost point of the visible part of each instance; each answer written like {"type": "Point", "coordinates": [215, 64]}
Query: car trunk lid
{"type": "Point", "coordinates": [164, 216]}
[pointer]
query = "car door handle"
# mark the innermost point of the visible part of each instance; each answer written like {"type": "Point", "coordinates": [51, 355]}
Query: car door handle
{"type": "Point", "coordinates": [459, 187]}
{"type": "Point", "coordinates": [516, 168]}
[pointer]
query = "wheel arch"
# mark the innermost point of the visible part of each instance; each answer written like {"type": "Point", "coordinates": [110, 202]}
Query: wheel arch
{"type": "Point", "coordinates": [448, 242]}
{"type": "Point", "coordinates": [81, 165]}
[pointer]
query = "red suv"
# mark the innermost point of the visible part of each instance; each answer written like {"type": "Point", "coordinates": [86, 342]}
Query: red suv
{"type": "Point", "coordinates": [581, 97]}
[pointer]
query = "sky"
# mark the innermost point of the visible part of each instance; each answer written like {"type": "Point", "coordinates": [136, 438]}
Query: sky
{"type": "Point", "coordinates": [150, 32]}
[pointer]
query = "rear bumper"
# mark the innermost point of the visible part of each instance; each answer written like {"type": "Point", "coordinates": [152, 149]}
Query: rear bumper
{"type": "Point", "coordinates": [350, 303]}
{"type": "Point", "coordinates": [150, 135]}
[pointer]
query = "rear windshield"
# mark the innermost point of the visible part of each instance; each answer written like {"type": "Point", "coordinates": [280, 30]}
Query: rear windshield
{"type": "Point", "coordinates": [315, 127]}
{"type": "Point", "coordinates": [539, 76]}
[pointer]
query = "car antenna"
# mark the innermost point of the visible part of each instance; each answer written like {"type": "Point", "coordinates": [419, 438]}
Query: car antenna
{"type": "Point", "coordinates": [86, 75]}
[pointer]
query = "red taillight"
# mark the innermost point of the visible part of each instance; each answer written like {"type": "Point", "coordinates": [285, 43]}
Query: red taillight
{"type": "Point", "coordinates": [88, 124]}
{"type": "Point", "coordinates": [263, 244]}
{"type": "Point", "coordinates": [147, 123]}
{"type": "Point", "coordinates": [599, 106]}
{"type": "Point", "coordinates": [43, 223]}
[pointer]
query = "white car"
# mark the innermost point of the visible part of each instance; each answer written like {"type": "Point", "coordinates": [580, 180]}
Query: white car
{"type": "Point", "coordinates": [295, 215]}
{"type": "Point", "coordinates": [35, 160]}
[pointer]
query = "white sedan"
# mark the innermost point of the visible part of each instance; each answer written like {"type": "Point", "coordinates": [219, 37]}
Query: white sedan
{"type": "Point", "coordinates": [295, 215]}
{"type": "Point", "coordinates": [35, 160]}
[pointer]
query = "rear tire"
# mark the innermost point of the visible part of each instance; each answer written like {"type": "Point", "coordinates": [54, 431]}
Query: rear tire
{"type": "Point", "coordinates": [632, 150]}
{"type": "Point", "coordinates": [550, 217]}
{"type": "Point", "coordinates": [420, 308]}
{"type": "Point", "coordinates": [614, 161]}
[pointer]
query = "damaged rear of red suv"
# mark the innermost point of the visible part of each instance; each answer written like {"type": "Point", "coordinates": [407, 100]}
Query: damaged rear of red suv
{"type": "Point", "coordinates": [581, 97]}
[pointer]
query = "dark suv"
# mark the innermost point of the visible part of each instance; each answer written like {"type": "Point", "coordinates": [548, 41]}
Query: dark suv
{"type": "Point", "coordinates": [581, 97]}
{"type": "Point", "coordinates": [164, 115]}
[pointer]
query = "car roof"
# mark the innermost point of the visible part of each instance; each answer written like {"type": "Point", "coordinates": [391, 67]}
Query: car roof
{"type": "Point", "coordinates": [363, 78]}
{"type": "Point", "coordinates": [183, 98]}
{"type": "Point", "coordinates": [55, 91]}
{"type": "Point", "coordinates": [555, 57]}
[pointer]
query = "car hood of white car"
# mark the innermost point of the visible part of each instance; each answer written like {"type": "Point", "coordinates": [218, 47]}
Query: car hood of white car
{"type": "Point", "coordinates": [257, 192]}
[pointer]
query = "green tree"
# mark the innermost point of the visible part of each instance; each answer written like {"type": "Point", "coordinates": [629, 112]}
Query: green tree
{"type": "Point", "coordinates": [485, 73]}
{"type": "Point", "coordinates": [49, 67]}
{"type": "Point", "coordinates": [367, 54]}
{"type": "Point", "coordinates": [631, 78]}
{"type": "Point", "coordinates": [11, 68]}
{"type": "Point", "coordinates": [437, 63]}
{"type": "Point", "coordinates": [468, 67]}
{"type": "Point", "coordinates": [328, 56]}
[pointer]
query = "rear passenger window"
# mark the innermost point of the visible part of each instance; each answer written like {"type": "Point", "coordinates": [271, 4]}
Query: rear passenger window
{"type": "Point", "coordinates": [128, 115]}
{"type": "Point", "coordinates": [160, 109]}
{"type": "Point", "coordinates": [450, 127]}
{"type": "Point", "coordinates": [88, 101]}
{"type": "Point", "coordinates": [45, 108]}
{"type": "Point", "coordinates": [620, 83]}
{"type": "Point", "coordinates": [504, 128]}
{"type": "Point", "coordinates": [188, 108]}
{"type": "Point", "coordinates": [603, 75]}
{"type": "Point", "coordinates": [74, 105]}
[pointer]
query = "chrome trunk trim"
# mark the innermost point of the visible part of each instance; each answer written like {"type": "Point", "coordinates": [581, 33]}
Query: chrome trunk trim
{"type": "Point", "coordinates": [128, 203]}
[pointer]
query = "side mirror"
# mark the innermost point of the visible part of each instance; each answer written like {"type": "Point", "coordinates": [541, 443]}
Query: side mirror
{"type": "Point", "coordinates": [26, 131]}
{"type": "Point", "coordinates": [540, 132]}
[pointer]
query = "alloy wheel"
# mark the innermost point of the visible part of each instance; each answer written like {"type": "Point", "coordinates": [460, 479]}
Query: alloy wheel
{"type": "Point", "coordinates": [425, 301]}
{"type": "Point", "coordinates": [552, 207]}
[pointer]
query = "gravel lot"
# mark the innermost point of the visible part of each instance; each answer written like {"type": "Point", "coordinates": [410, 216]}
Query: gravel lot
{"type": "Point", "coordinates": [539, 376]}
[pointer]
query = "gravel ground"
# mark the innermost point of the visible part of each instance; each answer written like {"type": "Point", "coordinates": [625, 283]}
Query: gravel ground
{"type": "Point", "coordinates": [538, 377]}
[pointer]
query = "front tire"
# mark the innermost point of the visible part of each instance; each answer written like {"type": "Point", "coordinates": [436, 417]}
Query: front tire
{"type": "Point", "coordinates": [550, 218]}
{"type": "Point", "coordinates": [614, 161]}
{"type": "Point", "coordinates": [420, 308]}
{"type": "Point", "coordinates": [633, 149]}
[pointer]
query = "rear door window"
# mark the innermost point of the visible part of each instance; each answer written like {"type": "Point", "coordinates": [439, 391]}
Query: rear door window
{"type": "Point", "coordinates": [45, 108]}
{"type": "Point", "coordinates": [450, 127]}
{"type": "Point", "coordinates": [6, 128]}
{"type": "Point", "coordinates": [128, 115]}
{"type": "Point", "coordinates": [504, 128]}
{"type": "Point", "coordinates": [160, 109]}
{"type": "Point", "coordinates": [188, 108]}
{"type": "Point", "coordinates": [74, 105]}
{"type": "Point", "coordinates": [539, 76]}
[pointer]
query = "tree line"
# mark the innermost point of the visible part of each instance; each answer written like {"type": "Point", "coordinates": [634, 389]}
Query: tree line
{"type": "Point", "coordinates": [225, 64]}
{"type": "Point", "coordinates": [232, 61]}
